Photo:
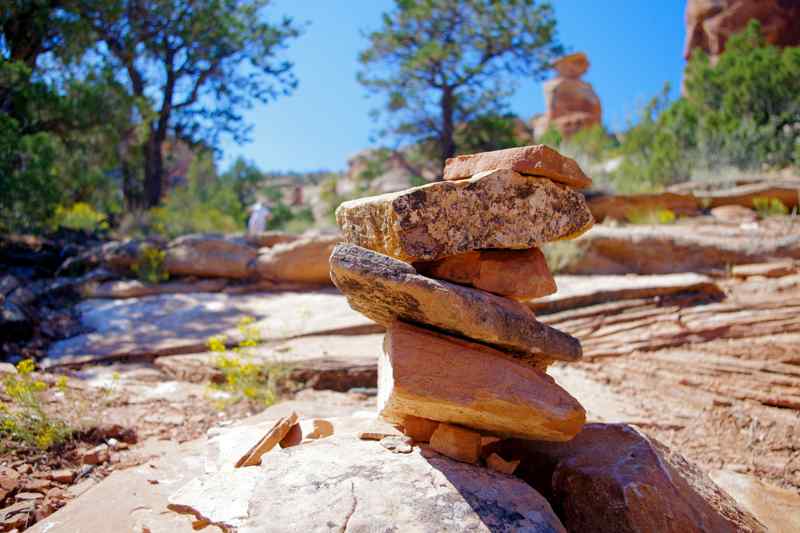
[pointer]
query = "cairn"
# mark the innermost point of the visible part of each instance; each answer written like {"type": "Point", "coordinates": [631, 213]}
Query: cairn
{"type": "Point", "coordinates": [447, 268]}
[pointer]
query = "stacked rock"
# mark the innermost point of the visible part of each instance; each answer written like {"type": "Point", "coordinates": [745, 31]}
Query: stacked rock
{"type": "Point", "coordinates": [446, 267]}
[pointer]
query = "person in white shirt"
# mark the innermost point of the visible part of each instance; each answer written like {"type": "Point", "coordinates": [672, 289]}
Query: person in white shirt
{"type": "Point", "coordinates": [259, 215]}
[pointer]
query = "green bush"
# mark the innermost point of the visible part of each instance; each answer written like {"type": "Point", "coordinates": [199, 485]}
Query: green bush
{"type": "Point", "coordinates": [769, 207]}
{"type": "Point", "coordinates": [149, 266]}
{"type": "Point", "coordinates": [80, 216]}
{"type": "Point", "coordinates": [743, 113]}
{"type": "Point", "coordinates": [23, 418]}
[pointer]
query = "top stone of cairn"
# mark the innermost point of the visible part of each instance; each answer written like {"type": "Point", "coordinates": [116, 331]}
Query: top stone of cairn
{"type": "Point", "coordinates": [572, 66]}
{"type": "Point", "coordinates": [500, 209]}
{"type": "Point", "coordinates": [537, 160]}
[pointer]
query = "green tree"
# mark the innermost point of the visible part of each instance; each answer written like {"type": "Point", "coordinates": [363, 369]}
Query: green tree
{"type": "Point", "coordinates": [441, 63]}
{"type": "Point", "coordinates": [190, 68]}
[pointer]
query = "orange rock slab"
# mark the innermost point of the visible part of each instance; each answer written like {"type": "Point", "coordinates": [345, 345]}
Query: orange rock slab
{"type": "Point", "coordinates": [457, 443]}
{"type": "Point", "coordinates": [535, 160]}
{"type": "Point", "coordinates": [430, 375]}
{"type": "Point", "coordinates": [518, 274]}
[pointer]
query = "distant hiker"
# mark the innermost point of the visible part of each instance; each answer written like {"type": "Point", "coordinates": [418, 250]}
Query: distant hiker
{"type": "Point", "coordinates": [259, 216]}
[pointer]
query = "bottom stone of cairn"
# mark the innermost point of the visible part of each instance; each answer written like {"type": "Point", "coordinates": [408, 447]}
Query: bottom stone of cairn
{"type": "Point", "coordinates": [426, 374]}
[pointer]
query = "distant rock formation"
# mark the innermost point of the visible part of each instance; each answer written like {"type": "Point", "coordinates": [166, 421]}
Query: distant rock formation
{"type": "Point", "coordinates": [709, 23]}
{"type": "Point", "coordinates": [571, 103]}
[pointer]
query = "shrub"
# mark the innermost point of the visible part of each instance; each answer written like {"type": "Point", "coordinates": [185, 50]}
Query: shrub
{"type": "Point", "coordinates": [23, 418]}
{"type": "Point", "coordinates": [650, 216]}
{"type": "Point", "coordinates": [81, 216]}
{"type": "Point", "coordinates": [245, 379]}
{"type": "Point", "coordinates": [769, 207]}
{"type": "Point", "coordinates": [149, 266]}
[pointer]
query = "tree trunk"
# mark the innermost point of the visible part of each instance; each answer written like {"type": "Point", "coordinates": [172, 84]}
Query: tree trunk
{"type": "Point", "coordinates": [153, 170]}
{"type": "Point", "coordinates": [448, 144]}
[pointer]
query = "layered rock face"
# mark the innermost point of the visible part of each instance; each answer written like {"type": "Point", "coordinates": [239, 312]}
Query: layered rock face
{"type": "Point", "coordinates": [570, 103]}
{"type": "Point", "coordinates": [710, 23]}
{"type": "Point", "coordinates": [442, 267]}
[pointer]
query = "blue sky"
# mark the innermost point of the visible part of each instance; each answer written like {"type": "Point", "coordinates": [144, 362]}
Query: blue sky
{"type": "Point", "coordinates": [634, 46]}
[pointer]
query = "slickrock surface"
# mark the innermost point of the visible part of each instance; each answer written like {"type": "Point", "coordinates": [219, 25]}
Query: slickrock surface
{"type": "Point", "coordinates": [385, 290]}
{"type": "Point", "coordinates": [304, 260]}
{"type": "Point", "coordinates": [434, 376]}
{"type": "Point", "coordinates": [634, 483]}
{"type": "Point", "coordinates": [519, 274]}
{"type": "Point", "coordinates": [497, 209]}
{"type": "Point", "coordinates": [536, 160]}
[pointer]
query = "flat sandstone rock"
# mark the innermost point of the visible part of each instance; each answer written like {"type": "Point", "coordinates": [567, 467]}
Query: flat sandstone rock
{"type": "Point", "coordinates": [519, 274]}
{"type": "Point", "coordinates": [536, 160]}
{"type": "Point", "coordinates": [430, 375]}
{"type": "Point", "coordinates": [500, 209]}
{"type": "Point", "coordinates": [387, 290]}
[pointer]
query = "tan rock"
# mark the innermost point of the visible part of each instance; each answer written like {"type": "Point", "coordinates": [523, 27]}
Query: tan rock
{"type": "Point", "coordinates": [710, 23]}
{"type": "Point", "coordinates": [419, 429]}
{"type": "Point", "coordinates": [536, 160]}
{"type": "Point", "coordinates": [209, 256]}
{"type": "Point", "coordinates": [572, 65]}
{"type": "Point", "coordinates": [498, 464]}
{"type": "Point", "coordinates": [377, 429]}
{"type": "Point", "coordinates": [430, 375]}
{"type": "Point", "coordinates": [62, 476]}
{"type": "Point", "coordinates": [301, 261]}
{"type": "Point", "coordinates": [265, 239]}
{"type": "Point", "coordinates": [269, 441]}
{"type": "Point", "coordinates": [735, 214]}
{"type": "Point", "coordinates": [519, 274]}
{"type": "Point", "coordinates": [387, 290]}
{"type": "Point", "coordinates": [457, 443]}
{"type": "Point", "coordinates": [612, 477]}
{"type": "Point", "coordinates": [398, 443]}
{"type": "Point", "coordinates": [306, 431]}
{"type": "Point", "coordinates": [95, 456]}
{"type": "Point", "coordinates": [497, 209]}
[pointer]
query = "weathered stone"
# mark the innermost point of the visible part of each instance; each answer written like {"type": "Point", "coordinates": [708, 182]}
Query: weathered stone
{"type": "Point", "coordinates": [498, 464]}
{"type": "Point", "coordinates": [208, 256]}
{"type": "Point", "coordinates": [268, 441]}
{"type": "Point", "coordinates": [95, 456]}
{"type": "Point", "coordinates": [519, 274]}
{"type": "Point", "coordinates": [611, 477]}
{"type": "Point", "coordinates": [398, 443]}
{"type": "Point", "coordinates": [419, 429]}
{"type": "Point", "coordinates": [62, 476]}
{"type": "Point", "coordinates": [457, 443]}
{"type": "Point", "coordinates": [377, 429]}
{"type": "Point", "coordinates": [138, 289]}
{"type": "Point", "coordinates": [571, 104]}
{"type": "Point", "coordinates": [735, 214]}
{"type": "Point", "coordinates": [496, 209]}
{"type": "Point", "coordinates": [265, 239]}
{"type": "Point", "coordinates": [773, 269]}
{"type": "Point", "coordinates": [429, 375]}
{"type": "Point", "coordinates": [638, 207]}
{"type": "Point", "coordinates": [710, 23]}
{"type": "Point", "coordinates": [536, 160]}
{"type": "Point", "coordinates": [386, 290]}
{"type": "Point", "coordinates": [306, 431]}
{"type": "Point", "coordinates": [301, 261]}
{"type": "Point", "coordinates": [344, 484]}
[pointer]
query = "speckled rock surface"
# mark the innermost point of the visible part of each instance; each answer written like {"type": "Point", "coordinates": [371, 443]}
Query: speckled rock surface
{"type": "Point", "coordinates": [346, 484]}
{"type": "Point", "coordinates": [386, 290]}
{"type": "Point", "coordinates": [497, 209]}
{"type": "Point", "coordinates": [535, 160]}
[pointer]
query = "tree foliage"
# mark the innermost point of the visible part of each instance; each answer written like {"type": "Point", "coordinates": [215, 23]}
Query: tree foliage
{"type": "Point", "coordinates": [190, 68]}
{"type": "Point", "coordinates": [742, 112]}
{"type": "Point", "coordinates": [438, 64]}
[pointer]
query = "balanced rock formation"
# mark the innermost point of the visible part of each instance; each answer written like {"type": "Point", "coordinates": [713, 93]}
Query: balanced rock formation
{"type": "Point", "coordinates": [435, 364]}
{"type": "Point", "coordinates": [493, 209]}
{"type": "Point", "coordinates": [387, 290]}
{"type": "Point", "coordinates": [710, 23]}
{"type": "Point", "coordinates": [570, 103]}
